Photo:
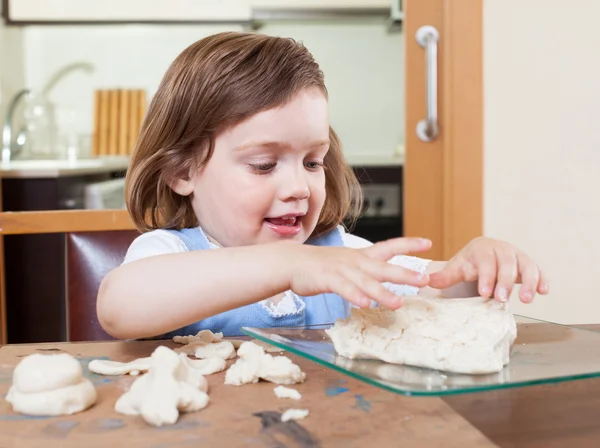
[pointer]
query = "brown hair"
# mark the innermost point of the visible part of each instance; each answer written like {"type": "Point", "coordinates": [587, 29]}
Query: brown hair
{"type": "Point", "coordinates": [215, 83]}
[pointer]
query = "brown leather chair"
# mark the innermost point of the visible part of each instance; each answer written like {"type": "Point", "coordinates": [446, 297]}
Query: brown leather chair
{"type": "Point", "coordinates": [90, 256]}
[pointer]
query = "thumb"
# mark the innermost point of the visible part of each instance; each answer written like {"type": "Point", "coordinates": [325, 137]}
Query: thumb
{"type": "Point", "coordinates": [449, 276]}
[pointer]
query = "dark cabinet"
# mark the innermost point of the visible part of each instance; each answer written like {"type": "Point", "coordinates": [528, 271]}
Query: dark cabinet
{"type": "Point", "coordinates": [35, 264]}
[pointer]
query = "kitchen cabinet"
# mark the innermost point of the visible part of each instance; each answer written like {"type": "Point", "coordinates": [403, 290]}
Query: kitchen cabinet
{"type": "Point", "coordinates": [34, 264]}
{"type": "Point", "coordinates": [200, 11]}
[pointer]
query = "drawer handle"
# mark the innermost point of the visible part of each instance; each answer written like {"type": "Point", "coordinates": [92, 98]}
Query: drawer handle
{"type": "Point", "coordinates": [427, 37]}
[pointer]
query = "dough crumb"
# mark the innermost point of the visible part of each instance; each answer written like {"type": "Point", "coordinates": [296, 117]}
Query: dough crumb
{"type": "Point", "coordinates": [287, 392]}
{"type": "Point", "coordinates": [469, 335]}
{"type": "Point", "coordinates": [294, 414]}
{"type": "Point", "coordinates": [171, 386]}
{"type": "Point", "coordinates": [254, 364]}
{"type": "Point", "coordinates": [50, 385]}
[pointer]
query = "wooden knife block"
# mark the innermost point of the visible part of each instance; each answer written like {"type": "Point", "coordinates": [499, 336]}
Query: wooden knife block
{"type": "Point", "coordinates": [118, 115]}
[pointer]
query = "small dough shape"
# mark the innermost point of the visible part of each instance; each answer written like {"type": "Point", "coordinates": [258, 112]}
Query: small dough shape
{"type": "Point", "coordinates": [294, 414]}
{"type": "Point", "coordinates": [169, 387]}
{"type": "Point", "coordinates": [202, 336]}
{"type": "Point", "coordinates": [105, 367]}
{"type": "Point", "coordinates": [255, 364]}
{"type": "Point", "coordinates": [469, 335]}
{"type": "Point", "coordinates": [50, 385]}
{"type": "Point", "coordinates": [206, 366]}
{"type": "Point", "coordinates": [268, 347]}
{"type": "Point", "coordinates": [223, 349]}
{"type": "Point", "coordinates": [287, 392]}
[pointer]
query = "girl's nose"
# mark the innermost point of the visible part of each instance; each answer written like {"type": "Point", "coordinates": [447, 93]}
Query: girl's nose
{"type": "Point", "coordinates": [295, 186]}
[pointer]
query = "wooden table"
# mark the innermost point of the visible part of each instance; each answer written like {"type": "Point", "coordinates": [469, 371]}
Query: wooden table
{"type": "Point", "coordinates": [343, 412]}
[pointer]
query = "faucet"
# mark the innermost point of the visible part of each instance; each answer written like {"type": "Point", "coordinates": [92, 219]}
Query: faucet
{"type": "Point", "coordinates": [10, 147]}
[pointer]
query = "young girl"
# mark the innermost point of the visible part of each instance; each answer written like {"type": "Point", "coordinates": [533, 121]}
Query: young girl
{"type": "Point", "coordinates": [240, 189]}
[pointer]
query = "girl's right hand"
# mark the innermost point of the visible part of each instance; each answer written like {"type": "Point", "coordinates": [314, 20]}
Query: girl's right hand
{"type": "Point", "coordinates": [356, 274]}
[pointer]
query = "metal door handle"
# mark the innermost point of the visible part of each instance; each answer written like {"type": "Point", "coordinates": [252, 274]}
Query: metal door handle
{"type": "Point", "coordinates": [427, 37]}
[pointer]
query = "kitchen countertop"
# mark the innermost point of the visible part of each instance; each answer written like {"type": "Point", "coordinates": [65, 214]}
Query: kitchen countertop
{"type": "Point", "coordinates": [59, 168]}
{"type": "Point", "coordinates": [365, 160]}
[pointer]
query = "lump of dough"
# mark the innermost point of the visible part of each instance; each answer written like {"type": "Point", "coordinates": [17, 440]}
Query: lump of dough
{"type": "Point", "coordinates": [294, 414]}
{"type": "Point", "coordinates": [206, 366]}
{"type": "Point", "coordinates": [287, 392]}
{"type": "Point", "coordinates": [50, 385]}
{"type": "Point", "coordinates": [255, 364]}
{"type": "Point", "coordinates": [105, 367]}
{"type": "Point", "coordinates": [169, 387]}
{"type": "Point", "coordinates": [470, 335]}
{"type": "Point", "coordinates": [202, 336]}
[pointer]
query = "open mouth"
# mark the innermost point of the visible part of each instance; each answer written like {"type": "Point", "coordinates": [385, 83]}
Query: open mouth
{"type": "Point", "coordinates": [290, 221]}
{"type": "Point", "coordinates": [288, 225]}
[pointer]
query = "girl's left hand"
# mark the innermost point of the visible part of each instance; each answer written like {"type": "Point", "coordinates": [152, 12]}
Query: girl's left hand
{"type": "Point", "coordinates": [497, 266]}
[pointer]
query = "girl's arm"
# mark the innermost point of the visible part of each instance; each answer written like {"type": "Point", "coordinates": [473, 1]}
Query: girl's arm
{"type": "Point", "coordinates": [158, 294]}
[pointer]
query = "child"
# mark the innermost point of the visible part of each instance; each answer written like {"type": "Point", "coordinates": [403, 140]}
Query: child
{"type": "Point", "coordinates": [240, 188]}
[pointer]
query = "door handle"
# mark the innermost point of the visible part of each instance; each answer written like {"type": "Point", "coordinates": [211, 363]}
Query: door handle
{"type": "Point", "coordinates": [427, 37]}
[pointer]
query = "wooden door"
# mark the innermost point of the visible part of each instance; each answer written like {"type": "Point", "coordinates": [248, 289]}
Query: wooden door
{"type": "Point", "coordinates": [443, 177]}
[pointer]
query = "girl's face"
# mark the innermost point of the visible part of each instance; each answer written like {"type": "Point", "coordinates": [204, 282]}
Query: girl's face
{"type": "Point", "coordinates": [265, 181]}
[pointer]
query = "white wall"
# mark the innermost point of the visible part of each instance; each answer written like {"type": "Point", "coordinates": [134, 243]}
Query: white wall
{"type": "Point", "coordinates": [542, 145]}
{"type": "Point", "coordinates": [363, 65]}
{"type": "Point", "coordinates": [12, 74]}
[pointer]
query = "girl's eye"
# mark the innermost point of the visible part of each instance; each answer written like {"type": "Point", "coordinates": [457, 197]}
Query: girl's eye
{"type": "Point", "coordinates": [262, 167]}
{"type": "Point", "coordinates": [314, 165]}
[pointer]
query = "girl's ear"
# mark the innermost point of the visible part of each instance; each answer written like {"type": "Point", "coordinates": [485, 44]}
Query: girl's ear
{"type": "Point", "coordinates": [183, 187]}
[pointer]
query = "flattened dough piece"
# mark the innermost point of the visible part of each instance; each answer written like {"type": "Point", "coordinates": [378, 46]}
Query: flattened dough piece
{"type": "Point", "coordinates": [106, 367]}
{"type": "Point", "coordinates": [255, 364]}
{"type": "Point", "coordinates": [50, 385]}
{"type": "Point", "coordinates": [169, 387]}
{"type": "Point", "coordinates": [222, 349]}
{"type": "Point", "coordinates": [206, 366]}
{"type": "Point", "coordinates": [470, 335]}
{"type": "Point", "coordinates": [202, 336]}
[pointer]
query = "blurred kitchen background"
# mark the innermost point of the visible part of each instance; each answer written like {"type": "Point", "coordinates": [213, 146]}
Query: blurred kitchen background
{"type": "Point", "coordinates": [89, 85]}
{"type": "Point", "coordinates": [73, 96]}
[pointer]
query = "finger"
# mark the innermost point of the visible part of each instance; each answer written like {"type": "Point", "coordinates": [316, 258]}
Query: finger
{"type": "Point", "coordinates": [383, 271]}
{"type": "Point", "coordinates": [349, 290]}
{"type": "Point", "coordinates": [450, 275]}
{"type": "Point", "coordinates": [486, 268]}
{"type": "Point", "coordinates": [508, 271]}
{"type": "Point", "coordinates": [543, 285]}
{"type": "Point", "coordinates": [530, 278]}
{"type": "Point", "coordinates": [385, 250]}
{"type": "Point", "coordinates": [371, 288]}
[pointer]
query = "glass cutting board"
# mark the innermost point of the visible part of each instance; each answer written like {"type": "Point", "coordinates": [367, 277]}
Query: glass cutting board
{"type": "Point", "coordinates": [544, 352]}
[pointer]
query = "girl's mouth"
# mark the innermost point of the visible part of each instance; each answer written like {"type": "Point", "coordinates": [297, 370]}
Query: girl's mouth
{"type": "Point", "coordinates": [285, 225]}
